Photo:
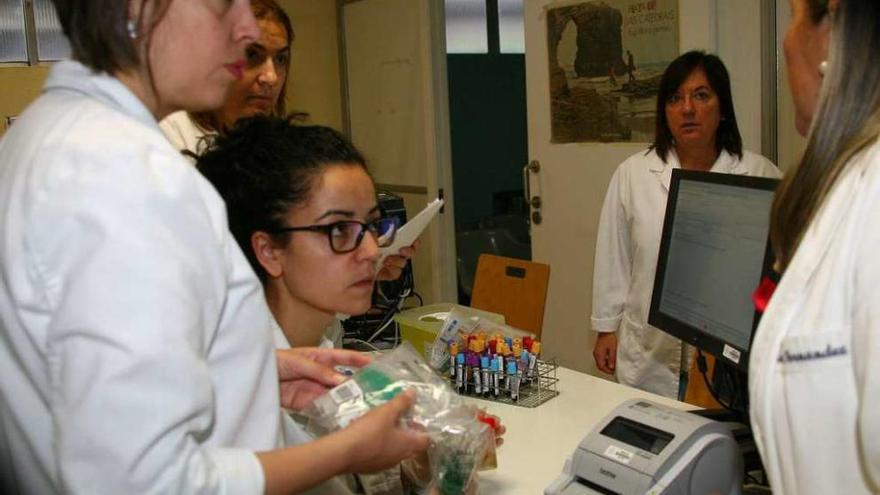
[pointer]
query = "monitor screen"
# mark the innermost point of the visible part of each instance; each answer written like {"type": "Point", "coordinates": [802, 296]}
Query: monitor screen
{"type": "Point", "coordinates": [713, 253]}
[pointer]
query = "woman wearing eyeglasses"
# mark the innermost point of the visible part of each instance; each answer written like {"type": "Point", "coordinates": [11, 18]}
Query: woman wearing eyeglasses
{"type": "Point", "coordinates": [696, 130]}
{"type": "Point", "coordinates": [304, 210]}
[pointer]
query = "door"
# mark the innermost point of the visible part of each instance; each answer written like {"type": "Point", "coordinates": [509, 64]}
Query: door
{"type": "Point", "coordinates": [396, 100]}
{"type": "Point", "coordinates": [572, 178]}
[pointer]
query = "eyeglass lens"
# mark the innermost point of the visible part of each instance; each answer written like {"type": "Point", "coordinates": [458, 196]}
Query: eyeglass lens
{"type": "Point", "coordinates": [347, 236]}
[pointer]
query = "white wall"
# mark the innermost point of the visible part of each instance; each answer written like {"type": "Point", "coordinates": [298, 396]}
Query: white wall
{"type": "Point", "coordinates": [739, 46]}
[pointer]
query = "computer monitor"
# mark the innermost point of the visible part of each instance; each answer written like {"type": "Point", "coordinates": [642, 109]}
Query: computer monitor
{"type": "Point", "coordinates": [713, 253]}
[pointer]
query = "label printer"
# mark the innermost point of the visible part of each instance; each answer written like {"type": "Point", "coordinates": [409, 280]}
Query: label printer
{"type": "Point", "coordinates": [643, 447]}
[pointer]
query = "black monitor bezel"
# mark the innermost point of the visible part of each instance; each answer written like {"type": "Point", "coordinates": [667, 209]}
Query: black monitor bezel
{"type": "Point", "coordinates": [687, 333]}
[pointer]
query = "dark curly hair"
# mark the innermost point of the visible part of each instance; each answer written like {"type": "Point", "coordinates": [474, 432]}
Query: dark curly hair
{"type": "Point", "coordinates": [727, 135]}
{"type": "Point", "coordinates": [267, 165]}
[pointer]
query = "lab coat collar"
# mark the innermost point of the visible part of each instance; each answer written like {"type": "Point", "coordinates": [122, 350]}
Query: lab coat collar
{"type": "Point", "coordinates": [71, 75]}
{"type": "Point", "coordinates": [725, 164]}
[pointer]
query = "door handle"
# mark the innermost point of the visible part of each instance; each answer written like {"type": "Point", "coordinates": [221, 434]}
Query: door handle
{"type": "Point", "coordinates": [534, 167]}
{"type": "Point", "coordinates": [534, 202]}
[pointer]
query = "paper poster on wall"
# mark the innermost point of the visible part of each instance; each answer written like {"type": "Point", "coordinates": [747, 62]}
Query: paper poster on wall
{"type": "Point", "coordinates": [606, 58]}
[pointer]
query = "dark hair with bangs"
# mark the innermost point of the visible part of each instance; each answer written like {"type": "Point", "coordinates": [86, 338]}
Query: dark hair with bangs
{"type": "Point", "coordinates": [97, 32]}
{"type": "Point", "coordinates": [267, 165]}
{"type": "Point", "coordinates": [727, 135]}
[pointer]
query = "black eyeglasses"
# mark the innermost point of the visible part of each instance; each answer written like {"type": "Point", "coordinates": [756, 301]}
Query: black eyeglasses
{"type": "Point", "coordinates": [347, 235]}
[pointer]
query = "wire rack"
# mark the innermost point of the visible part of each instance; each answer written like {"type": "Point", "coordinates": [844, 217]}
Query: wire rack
{"type": "Point", "coordinates": [532, 393]}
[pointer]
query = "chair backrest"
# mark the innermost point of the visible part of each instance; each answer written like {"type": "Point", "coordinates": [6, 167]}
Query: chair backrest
{"type": "Point", "coordinates": [470, 244]}
{"type": "Point", "coordinates": [514, 288]}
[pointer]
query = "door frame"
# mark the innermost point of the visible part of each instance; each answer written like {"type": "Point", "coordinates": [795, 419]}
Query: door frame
{"type": "Point", "coordinates": [442, 251]}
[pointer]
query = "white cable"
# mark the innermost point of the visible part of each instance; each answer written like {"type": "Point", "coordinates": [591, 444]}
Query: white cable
{"type": "Point", "coordinates": [381, 329]}
{"type": "Point", "coordinates": [364, 342]}
{"type": "Point", "coordinates": [389, 316]}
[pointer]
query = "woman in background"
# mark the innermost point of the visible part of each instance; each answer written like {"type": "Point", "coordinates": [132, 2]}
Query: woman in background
{"type": "Point", "coordinates": [136, 354]}
{"type": "Point", "coordinates": [696, 130]}
{"type": "Point", "coordinates": [814, 371]}
{"type": "Point", "coordinates": [261, 90]}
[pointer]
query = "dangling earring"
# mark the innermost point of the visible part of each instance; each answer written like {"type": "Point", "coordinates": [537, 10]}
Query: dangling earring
{"type": "Point", "coordinates": [131, 27]}
{"type": "Point", "coordinates": [823, 68]}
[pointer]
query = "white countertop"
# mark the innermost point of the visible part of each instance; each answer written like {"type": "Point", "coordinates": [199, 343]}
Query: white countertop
{"type": "Point", "coordinates": [538, 440]}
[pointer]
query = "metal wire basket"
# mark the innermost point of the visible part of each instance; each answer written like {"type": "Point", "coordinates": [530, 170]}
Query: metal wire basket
{"type": "Point", "coordinates": [533, 391]}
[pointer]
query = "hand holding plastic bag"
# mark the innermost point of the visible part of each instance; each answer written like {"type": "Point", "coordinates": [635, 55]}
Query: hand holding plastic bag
{"type": "Point", "coordinates": [459, 440]}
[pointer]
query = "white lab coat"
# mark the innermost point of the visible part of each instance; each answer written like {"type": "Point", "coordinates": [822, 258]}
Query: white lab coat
{"type": "Point", "coordinates": [135, 350]}
{"type": "Point", "coordinates": [814, 371]}
{"type": "Point", "coordinates": [185, 134]}
{"type": "Point", "coordinates": [627, 245]}
{"type": "Point", "coordinates": [294, 433]}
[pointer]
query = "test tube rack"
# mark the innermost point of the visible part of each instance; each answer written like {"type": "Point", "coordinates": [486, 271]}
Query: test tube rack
{"type": "Point", "coordinates": [532, 392]}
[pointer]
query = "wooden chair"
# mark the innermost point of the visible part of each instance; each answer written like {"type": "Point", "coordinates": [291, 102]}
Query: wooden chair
{"type": "Point", "coordinates": [514, 288]}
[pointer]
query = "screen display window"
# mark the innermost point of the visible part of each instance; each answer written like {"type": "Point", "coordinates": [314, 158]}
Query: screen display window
{"type": "Point", "coordinates": [716, 250]}
{"type": "Point", "coordinates": [638, 435]}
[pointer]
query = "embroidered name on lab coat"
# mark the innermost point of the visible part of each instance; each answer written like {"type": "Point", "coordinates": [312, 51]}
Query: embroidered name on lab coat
{"type": "Point", "coordinates": [828, 352]}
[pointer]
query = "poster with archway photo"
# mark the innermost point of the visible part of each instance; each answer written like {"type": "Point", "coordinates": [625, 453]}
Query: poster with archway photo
{"type": "Point", "coordinates": [606, 58]}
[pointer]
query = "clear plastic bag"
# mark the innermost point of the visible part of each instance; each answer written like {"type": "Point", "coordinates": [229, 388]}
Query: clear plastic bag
{"type": "Point", "coordinates": [457, 326]}
{"type": "Point", "coordinates": [460, 442]}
